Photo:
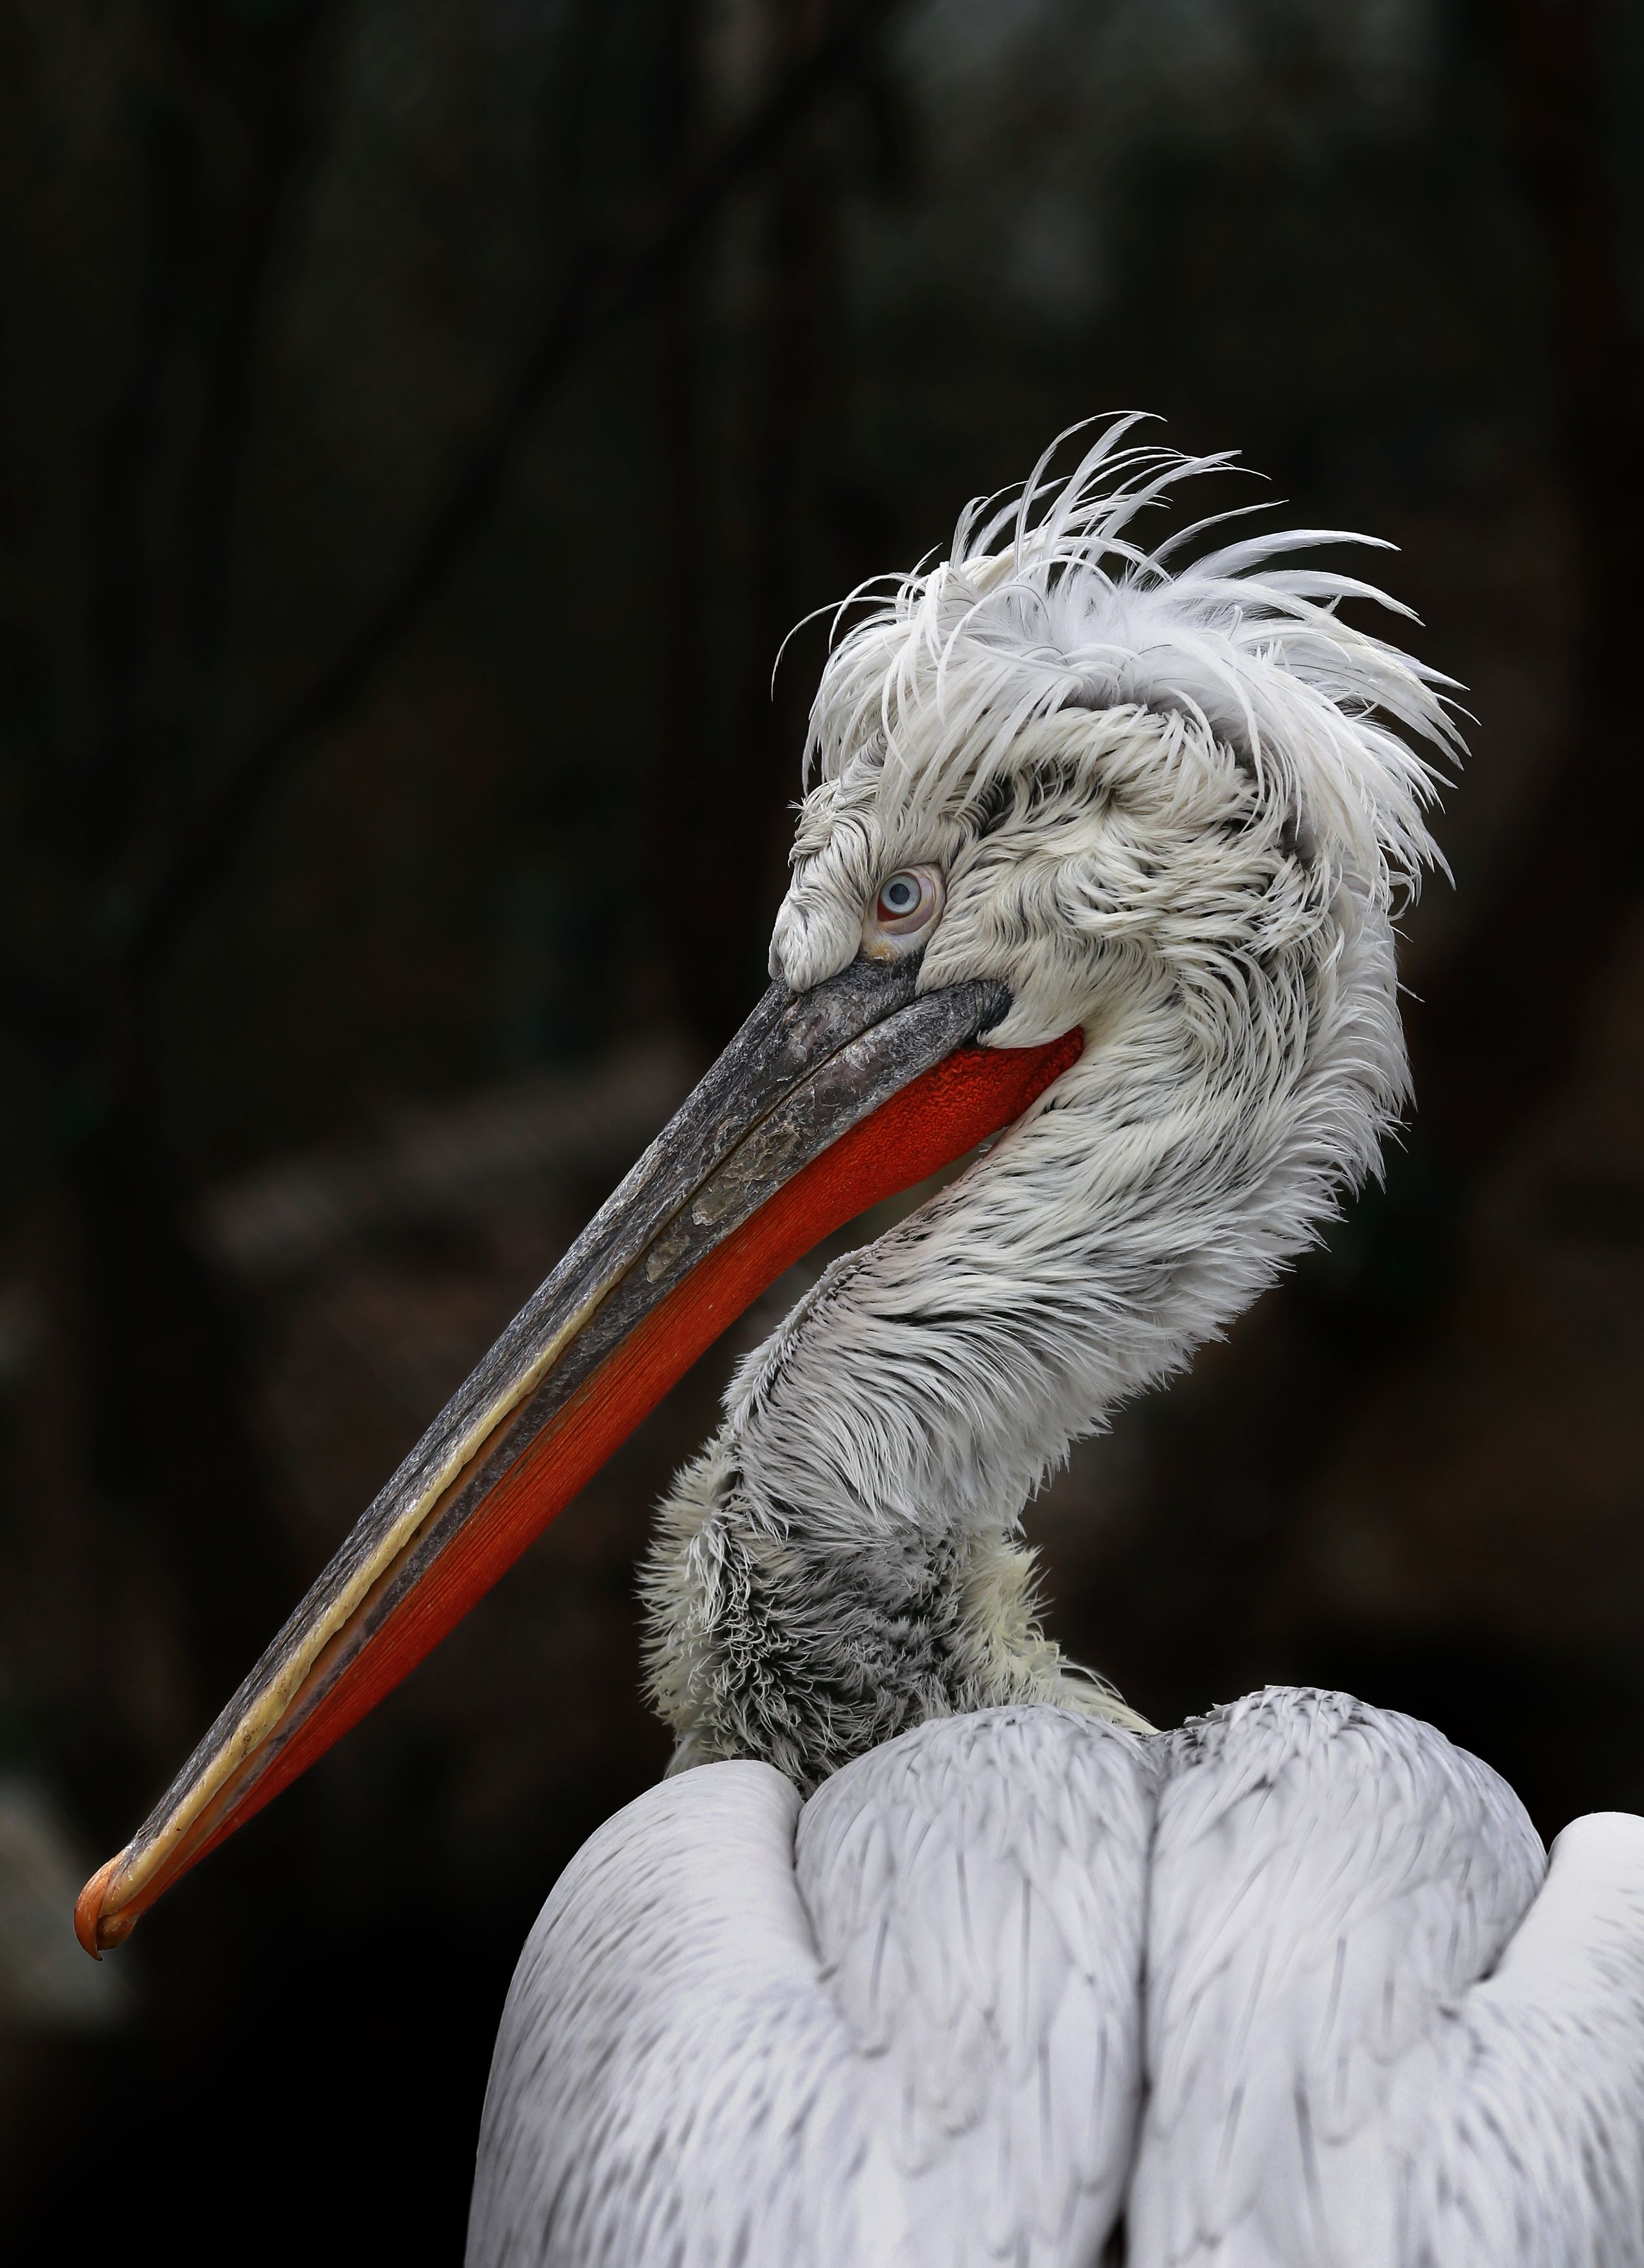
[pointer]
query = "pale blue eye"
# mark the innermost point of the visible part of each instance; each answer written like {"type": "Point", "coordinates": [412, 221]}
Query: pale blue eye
{"type": "Point", "coordinates": [910, 902]}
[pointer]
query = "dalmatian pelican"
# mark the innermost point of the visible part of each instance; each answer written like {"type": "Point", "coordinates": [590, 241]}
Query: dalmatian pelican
{"type": "Point", "coordinates": [929, 1950]}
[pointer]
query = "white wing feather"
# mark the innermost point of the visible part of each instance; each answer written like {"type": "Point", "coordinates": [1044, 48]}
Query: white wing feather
{"type": "Point", "coordinates": [977, 1888]}
{"type": "Point", "coordinates": [916, 2042]}
{"type": "Point", "coordinates": [1342, 2076]}
{"type": "Point", "coordinates": [668, 2084]}
{"type": "Point", "coordinates": [1519, 2132]}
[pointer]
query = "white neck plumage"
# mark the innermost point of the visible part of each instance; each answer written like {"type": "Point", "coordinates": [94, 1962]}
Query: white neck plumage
{"type": "Point", "coordinates": [845, 1560]}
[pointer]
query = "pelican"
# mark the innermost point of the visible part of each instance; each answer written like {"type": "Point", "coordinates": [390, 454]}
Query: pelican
{"type": "Point", "coordinates": [928, 1949]}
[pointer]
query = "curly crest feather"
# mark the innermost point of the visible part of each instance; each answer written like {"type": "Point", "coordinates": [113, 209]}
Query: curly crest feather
{"type": "Point", "coordinates": [1048, 603]}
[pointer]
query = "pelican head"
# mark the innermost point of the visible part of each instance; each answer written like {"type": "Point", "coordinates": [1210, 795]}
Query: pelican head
{"type": "Point", "coordinates": [1097, 869]}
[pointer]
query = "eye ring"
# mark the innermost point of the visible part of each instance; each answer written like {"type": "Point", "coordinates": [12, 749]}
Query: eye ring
{"type": "Point", "coordinates": [909, 903]}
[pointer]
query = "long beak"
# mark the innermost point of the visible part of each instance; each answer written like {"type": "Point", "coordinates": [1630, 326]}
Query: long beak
{"type": "Point", "coordinates": [824, 1103]}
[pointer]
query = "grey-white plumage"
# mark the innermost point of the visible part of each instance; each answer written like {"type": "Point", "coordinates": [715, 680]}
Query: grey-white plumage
{"type": "Point", "coordinates": [1286, 1989]}
{"type": "Point", "coordinates": [931, 1953]}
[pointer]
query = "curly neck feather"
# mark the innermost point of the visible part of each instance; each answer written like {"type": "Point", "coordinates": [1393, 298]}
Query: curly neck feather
{"type": "Point", "coordinates": [845, 1560]}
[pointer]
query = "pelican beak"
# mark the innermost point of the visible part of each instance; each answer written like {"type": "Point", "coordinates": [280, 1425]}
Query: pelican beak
{"type": "Point", "coordinates": [825, 1102]}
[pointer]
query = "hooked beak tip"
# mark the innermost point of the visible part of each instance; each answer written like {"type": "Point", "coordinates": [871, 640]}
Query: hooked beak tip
{"type": "Point", "coordinates": [95, 1930]}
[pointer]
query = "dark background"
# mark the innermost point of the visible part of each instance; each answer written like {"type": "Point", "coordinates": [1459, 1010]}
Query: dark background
{"type": "Point", "coordinates": [422, 419]}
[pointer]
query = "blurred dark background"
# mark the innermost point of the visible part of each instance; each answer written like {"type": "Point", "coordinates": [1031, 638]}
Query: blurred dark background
{"type": "Point", "coordinates": [422, 420]}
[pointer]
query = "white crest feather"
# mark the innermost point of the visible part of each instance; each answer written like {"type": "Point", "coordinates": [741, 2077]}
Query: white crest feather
{"type": "Point", "coordinates": [1049, 602]}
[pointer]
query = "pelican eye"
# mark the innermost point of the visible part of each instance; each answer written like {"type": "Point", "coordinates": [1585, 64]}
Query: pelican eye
{"type": "Point", "coordinates": [909, 901]}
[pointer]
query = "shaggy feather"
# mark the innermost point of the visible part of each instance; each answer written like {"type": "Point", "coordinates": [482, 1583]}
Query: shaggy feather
{"type": "Point", "coordinates": [1177, 807]}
